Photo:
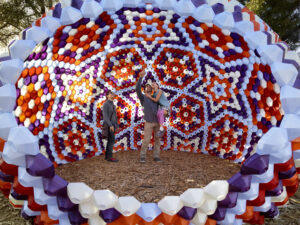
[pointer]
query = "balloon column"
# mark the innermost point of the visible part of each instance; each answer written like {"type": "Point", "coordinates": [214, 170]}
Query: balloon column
{"type": "Point", "coordinates": [228, 77]}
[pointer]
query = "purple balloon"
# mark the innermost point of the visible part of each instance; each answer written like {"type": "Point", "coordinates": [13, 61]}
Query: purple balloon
{"type": "Point", "coordinates": [44, 56]}
{"type": "Point", "coordinates": [76, 4]}
{"type": "Point", "coordinates": [39, 165]}
{"type": "Point", "coordinates": [46, 91]}
{"type": "Point", "coordinates": [34, 79]}
{"type": "Point", "coordinates": [287, 174]}
{"type": "Point", "coordinates": [239, 182]}
{"type": "Point", "coordinates": [229, 201]}
{"type": "Point", "coordinates": [6, 178]}
{"type": "Point", "coordinates": [276, 191]}
{"type": "Point", "coordinates": [26, 80]}
{"type": "Point", "coordinates": [237, 8]}
{"type": "Point", "coordinates": [55, 186]}
{"type": "Point", "coordinates": [187, 213]}
{"type": "Point", "coordinates": [31, 127]}
{"type": "Point", "coordinates": [219, 214]}
{"type": "Point", "coordinates": [109, 215]}
{"type": "Point", "coordinates": [237, 16]}
{"type": "Point", "coordinates": [218, 8]}
{"type": "Point", "coordinates": [57, 11]}
{"type": "Point", "coordinates": [76, 218]}
{"type": "Point", "coordinates": [197, 3]}
{"type": "Point", "coordinates": [17, 196]}
{"type": "Point", "coordinates": [255, 164]}
{"type": "Point", "coordinates": [24, 215]}
{"type": "Point", "coordinates": [62, 44]}
{"type": "Point", "coordinates": [64, 203]}
{"type": "Point", "coordinates": [272, 212]}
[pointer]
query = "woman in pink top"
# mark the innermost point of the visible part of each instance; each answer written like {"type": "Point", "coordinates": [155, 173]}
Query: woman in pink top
{"type": "Point", "coordinates": [164, 106]}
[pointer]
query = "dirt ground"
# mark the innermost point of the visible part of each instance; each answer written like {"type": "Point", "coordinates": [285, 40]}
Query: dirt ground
{"type": "Point", "coordinates": [151, 181]}
{"type": "Point", "coordinates": [288, 214]}
{"type": "Point", "coordinates": [9, 215]}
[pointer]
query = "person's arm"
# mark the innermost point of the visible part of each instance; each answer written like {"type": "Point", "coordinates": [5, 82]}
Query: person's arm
{"type": "Point", "coordinates": [117, 125]}
{"type": "Point", "coordinates": [106, 114]}
{"type": "Point", "coordinates": [157, 97]}
{"type": "Point", "coordinates": [139, 89]}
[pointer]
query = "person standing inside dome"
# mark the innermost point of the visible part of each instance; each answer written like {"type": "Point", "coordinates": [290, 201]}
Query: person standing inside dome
{"type": "Point", "coordinates": [164, 106]}
{"type": "Point", "coordinates": [110, 118]}
{"type": "Point", "coordinates": [150, 117]}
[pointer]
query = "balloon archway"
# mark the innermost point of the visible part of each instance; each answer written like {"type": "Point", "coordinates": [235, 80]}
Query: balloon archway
{"type": "Point", "coordinates": [228, 77]}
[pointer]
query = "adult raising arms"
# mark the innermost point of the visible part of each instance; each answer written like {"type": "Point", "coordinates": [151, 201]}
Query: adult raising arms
{"type": "Point", "coordinates": [151, 122]}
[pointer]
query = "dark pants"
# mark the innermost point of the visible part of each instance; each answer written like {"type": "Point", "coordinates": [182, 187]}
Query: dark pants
{"type": "Point", "coordinates": [110, 144]}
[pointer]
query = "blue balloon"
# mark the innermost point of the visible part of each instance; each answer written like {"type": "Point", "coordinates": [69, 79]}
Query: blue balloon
{"type": "Point", "coordinates": [149, 211]}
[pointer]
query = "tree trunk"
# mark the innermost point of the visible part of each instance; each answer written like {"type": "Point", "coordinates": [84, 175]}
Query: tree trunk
{"type": "Point", "coordinates": [43, 7]}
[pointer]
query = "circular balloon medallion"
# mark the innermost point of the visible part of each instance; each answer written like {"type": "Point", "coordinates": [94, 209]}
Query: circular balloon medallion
{"type": "Point", "coordinates": [228, 77]}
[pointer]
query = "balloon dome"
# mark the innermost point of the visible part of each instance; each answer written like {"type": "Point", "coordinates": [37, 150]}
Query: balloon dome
{"type": "Point", "coordinates": [228, 77]}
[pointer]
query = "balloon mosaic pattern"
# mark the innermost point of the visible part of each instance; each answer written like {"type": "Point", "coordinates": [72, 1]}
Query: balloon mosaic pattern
{"type": "Point", "coordinates": [227, 75]}
{"type": "Point", "coordinates": [80, 56]}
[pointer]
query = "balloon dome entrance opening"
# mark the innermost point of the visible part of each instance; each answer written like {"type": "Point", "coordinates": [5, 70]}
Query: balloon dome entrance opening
{"type": "Point", "coordinates": [223, 96]}
{"type": "Point", "coordinates": [226, 74]}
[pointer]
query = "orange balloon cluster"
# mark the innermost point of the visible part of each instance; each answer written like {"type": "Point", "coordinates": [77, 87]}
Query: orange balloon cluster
{"type": "Point", "coordinates": [82, 39]}
{"type": "Point", "coordinates": [216, 39]}
{"type": "Point", "coordinates": [265, 90]}
{"type": "Point", "coordinates": [123, 65]}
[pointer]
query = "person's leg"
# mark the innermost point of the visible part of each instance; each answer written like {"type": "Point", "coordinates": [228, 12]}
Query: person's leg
{"type": "Point", "coordinates": [161, 118]}
{"type": "Point", "coordinates": [156, 143]}
{"type": "Point", "coordinates": [110, 145]}
{"type": "Point", "coordinates": [166, 113]}
{"type": "Point", "coordinates": [107, 147]}
{"type": "Point", "coordinates": [146, 140]}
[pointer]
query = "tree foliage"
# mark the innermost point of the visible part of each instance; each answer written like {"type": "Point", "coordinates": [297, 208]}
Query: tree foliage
{"type": "Point", "coordinates": [16, 15]}
{"type": "Point", "coordinates": [283, 16]}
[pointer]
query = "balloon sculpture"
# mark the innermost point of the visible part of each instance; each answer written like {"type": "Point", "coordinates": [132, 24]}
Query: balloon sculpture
{"type": "Point", "coordinates": [229, 79]}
